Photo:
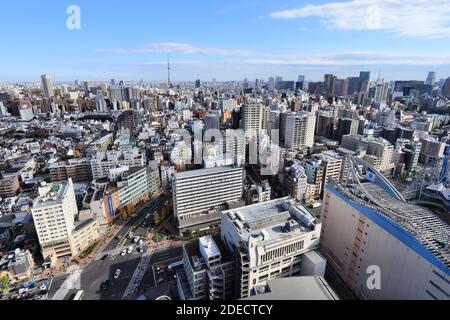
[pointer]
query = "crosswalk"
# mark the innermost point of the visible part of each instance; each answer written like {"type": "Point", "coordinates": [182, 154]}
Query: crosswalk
{"type": "Point", "coordinates": [72, 282]}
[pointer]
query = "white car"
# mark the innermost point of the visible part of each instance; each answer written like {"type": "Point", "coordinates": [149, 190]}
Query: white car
{"type": "Point", "coordinates": [117, 274]}
{"type": "Point", "coordinates": [124, 252]}
{"type": "Point", "coordinates": [141, 242]}
{"type": "Point", "coordinates": [130, 249]}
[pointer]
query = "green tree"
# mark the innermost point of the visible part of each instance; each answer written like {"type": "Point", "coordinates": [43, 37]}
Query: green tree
{"type": "Point", "coordinates": [4, 282]}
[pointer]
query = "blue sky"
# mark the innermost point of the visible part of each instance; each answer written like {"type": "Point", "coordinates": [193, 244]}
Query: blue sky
{"type": "Point", "coordinates": [226, 40]}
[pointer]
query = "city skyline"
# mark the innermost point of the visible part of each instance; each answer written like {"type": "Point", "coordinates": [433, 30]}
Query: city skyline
{"type": "Point", "coordinates": [226, 41]}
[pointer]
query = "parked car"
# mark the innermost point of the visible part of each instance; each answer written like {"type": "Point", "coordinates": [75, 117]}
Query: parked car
{"type": "Point", "coordinates": [130, 249]}
{"type": "Point", "coordinates": [117, 274]}
{"type": "Point", "coordinates": [124, 252]}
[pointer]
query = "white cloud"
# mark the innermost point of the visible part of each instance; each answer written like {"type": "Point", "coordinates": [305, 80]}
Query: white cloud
{"type": "Point", "coordinates": [415, 18]}
{"type": "Point", "coordinates": [180, 48]}
{"type": "Point", "coordinates": [282, 58]}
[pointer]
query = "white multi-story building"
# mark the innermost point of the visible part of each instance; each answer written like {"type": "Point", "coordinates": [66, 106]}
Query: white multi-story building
{"type": "Point", "coordinates": [208, 271]}
{"type": "Point", "coordinates": [104, 161]}
{"type": "Point", "coordinates": [198, 194]}
{"type": "Point", "coordinates": [299, 132]}
{"type": "Point", "coordinates": [54, 212]}
{"type": "Point", "coordinates": [369, 232]}
{"type": "Point", "coordinates": [271, 240]}
{"type": "Point", "coordinates": [253, 118]}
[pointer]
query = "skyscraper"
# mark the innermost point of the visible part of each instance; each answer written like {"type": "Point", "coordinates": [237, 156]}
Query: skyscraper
{"type": "Point", "coordinates": [446, 88]}
{"type": "Point", "coordinates": [47, 86]}
{"type": "Point", "coordinates": [431, 78]}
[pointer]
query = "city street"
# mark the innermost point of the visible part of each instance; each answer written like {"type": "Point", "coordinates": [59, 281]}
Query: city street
{"type": "Point", "coordinates": [107, 262]}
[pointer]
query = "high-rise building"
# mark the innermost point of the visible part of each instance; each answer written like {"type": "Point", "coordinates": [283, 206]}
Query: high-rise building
{"type": "Point", "coordinates": [101, 102]}
{"type": "Point", "coordinates": [446, 88]}
{"type": "Point", "coordinates": [47, 86]}
{"type": "Point", "coordinates": [54, 212]}
{"type": "Point", "coordinates": [346, 126]}
{"type": "Point", "coordinates": [300, 129]}
{"type": "Point", "coordinates": [270, 240]}
{"type": "Point", "coordinates": [368, 230]}
{"type": "Point", "coordinates": [253, 118]}
{"type": "Point", "coordinates": [431, 78]}
{"type": "Point", "coordinates": [381, 91]}
{"type": "Point", "coordinates": [199, 195]}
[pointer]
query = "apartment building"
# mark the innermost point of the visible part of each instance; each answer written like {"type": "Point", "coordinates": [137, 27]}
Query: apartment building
{"type": "Point", "coordinates": [432, 151]}
{"type": "Point", "coordinates": [199, 195]}
{"type": "Point", "coordinates": [78, 170]}
{"type": "Point", "coordinates": [299, 132]}
{"type": "Point", "coordinates": [9, 186]}
{"type": "Point", "coordinates": [102, 143]}
{"type": "Point", "coordinates": [270, 240]}
{"type": "Point", "coordinates": [296, 181]}
{"type": "Point", "coordinates": [103, 162]}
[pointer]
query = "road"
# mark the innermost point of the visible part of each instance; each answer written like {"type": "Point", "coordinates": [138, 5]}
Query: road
{"type": "Point", "coordinates": [101, 270]}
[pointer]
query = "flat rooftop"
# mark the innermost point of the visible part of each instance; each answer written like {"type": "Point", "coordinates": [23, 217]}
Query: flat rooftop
{"type": "Point", "coordinates": [296, 288]}
{"type": "Point", "coordinates": [202, 172]}
{"type": "Point", "coordinates": [50, 194]}
{"type": "Point", "coordinates": [271, 219]}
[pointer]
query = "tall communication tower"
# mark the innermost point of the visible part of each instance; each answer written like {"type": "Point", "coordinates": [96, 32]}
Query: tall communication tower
{"type": "Point", "coordinates": [168, 72]}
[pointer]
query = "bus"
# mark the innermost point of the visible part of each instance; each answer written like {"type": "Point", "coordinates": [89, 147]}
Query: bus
{"type": "Point", "coordinates": [79, 295]}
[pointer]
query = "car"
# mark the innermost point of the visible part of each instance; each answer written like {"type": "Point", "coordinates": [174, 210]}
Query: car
{"type": "Point", "coordinates": [104, 257]}
{"type": "Point", "coordinates": [141, 242]}
{"type": "Point", "coordinates": [43, 287]}
{"type": "Point", "coordinates": [117, 274]}
{"type": "Point", "coordinates": [124, 252]}
{"type": "Point", "coordinates": [130, 249]}
{"type": "Point", "coordinates": [161, 267]}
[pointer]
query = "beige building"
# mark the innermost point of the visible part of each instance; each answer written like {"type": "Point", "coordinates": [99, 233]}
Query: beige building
{"type": "Point", "coordinates": [84, 234]}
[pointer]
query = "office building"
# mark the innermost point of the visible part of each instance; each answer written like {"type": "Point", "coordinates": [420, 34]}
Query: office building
{"type": "Point", "coordinates": [431, 78]}
{"type": "Point", "coordinates": [270, 240]}
{"type": "Point", "coordinates": [199, 195]}
{"type": "Point", "coordinates": [47, 86]}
